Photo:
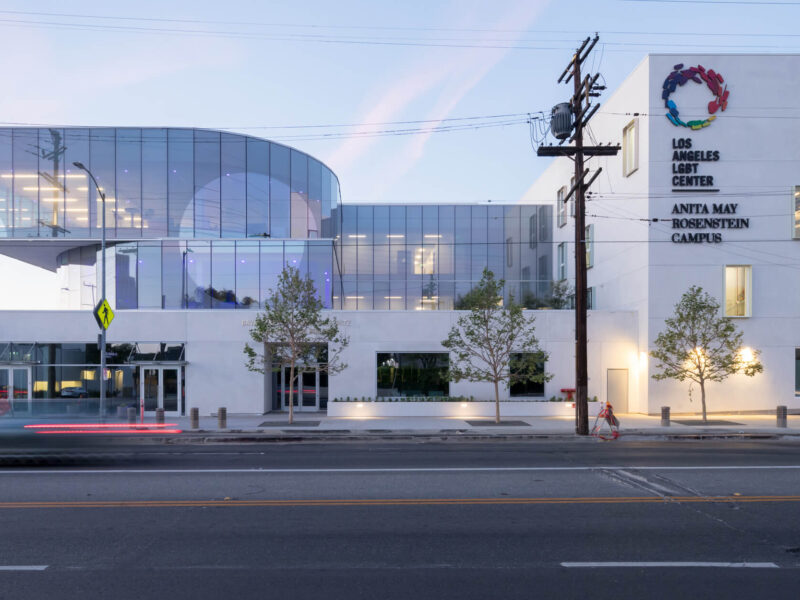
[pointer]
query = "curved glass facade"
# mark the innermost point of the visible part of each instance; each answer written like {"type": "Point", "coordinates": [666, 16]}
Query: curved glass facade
{"type": "Point", "coordinates": [159, 183]}
{"type": "Point", "coordinates": [196, 274]}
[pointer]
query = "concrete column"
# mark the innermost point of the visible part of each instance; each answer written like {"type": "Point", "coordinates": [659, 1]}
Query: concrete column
{"type": "Point", "coordinates": [194, 418]}
{"type": "Point", "coordinates": [222, 418]}
{"type": "Point", "coordinates": [665, 416]}
{"type": "Point", "coordinates": [131, 416]}
{"type": "Point", "coordinates": [160, 415]}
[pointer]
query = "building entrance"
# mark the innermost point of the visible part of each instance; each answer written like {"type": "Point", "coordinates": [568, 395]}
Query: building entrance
{"type": "Point", "coordinates": [310, 391]}
{"type": "Point", "coordinates": [161, 387]}
{"type": "Point", "coordinates": [15, 391]}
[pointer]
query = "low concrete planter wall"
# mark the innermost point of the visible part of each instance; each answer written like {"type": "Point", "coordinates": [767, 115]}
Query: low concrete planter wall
{"type": "Point", "coordinates": [464, 410]}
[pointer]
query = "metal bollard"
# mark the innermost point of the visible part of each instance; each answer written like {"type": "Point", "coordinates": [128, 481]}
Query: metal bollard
{"type": "Point", "coordinates": [194, 418]}
{"type": "Point", "coordinates": [120, 412]}
{"type": "Point", "coordinates": [665, 416]}
{"type": "Point", "coordinates": [160, 416]}
{"type": "Point", "coordinates": [781, 413]}
{"type": "Point", "coordinates": [131, 416]}
{"type": "Point", "coordinates": [222, 418]}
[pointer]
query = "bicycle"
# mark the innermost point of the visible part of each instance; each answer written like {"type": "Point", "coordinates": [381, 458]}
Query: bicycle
{"type": "Point", "coordinates": [606, 417]}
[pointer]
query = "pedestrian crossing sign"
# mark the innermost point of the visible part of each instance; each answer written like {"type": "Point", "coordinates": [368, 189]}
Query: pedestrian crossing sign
{"type": "Point", "coordinates": [103, 314]}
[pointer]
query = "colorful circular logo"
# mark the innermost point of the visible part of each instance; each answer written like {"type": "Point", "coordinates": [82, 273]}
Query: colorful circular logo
{"type": "Point", "coordinates": [698, 74]}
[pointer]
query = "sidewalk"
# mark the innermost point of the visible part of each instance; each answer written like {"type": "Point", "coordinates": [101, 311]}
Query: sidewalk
{"type": "Point", "coordinates": [274, 426]}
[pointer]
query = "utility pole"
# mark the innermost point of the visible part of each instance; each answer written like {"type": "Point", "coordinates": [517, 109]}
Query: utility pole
{"type": "Point", "coordinates": [581, 110]}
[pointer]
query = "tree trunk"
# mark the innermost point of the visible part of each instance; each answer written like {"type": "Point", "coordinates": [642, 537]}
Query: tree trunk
{"type": "Point", "coordinates": [703, 399]}
{"type": "Point", "coordinates": [291, 397]}
{"type": "Point", "coordinates": [496, 403]}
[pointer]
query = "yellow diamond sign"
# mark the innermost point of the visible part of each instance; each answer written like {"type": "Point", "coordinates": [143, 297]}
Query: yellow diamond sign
{"type": "Point", "coordinates": [103, 314]}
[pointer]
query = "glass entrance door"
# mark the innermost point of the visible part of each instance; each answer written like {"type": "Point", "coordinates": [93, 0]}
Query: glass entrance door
{"type": "Point", "coordinates": [305, 391]}
{"type": "Point", "coordinates": [15, 391]}
{"type": "Point", "coordinates": [161, 388]}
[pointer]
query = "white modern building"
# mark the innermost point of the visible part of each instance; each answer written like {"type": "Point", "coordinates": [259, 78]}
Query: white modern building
{"type": "Point", "coordinates": [697, 199]}
{"type": "Point", "coordinates": [705, 192]}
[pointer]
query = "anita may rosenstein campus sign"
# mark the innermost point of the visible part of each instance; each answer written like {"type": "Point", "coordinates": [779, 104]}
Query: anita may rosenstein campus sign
{"type": "Point", "coordinates": [689, 163]}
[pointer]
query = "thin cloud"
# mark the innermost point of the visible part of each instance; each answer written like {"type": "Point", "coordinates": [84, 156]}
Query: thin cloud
{"type": "Point", "coordinates": [455, 77]}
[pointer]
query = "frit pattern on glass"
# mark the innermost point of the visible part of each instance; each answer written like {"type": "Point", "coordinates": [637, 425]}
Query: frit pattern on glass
{"type": "Point", "coordinates": [698, 74]}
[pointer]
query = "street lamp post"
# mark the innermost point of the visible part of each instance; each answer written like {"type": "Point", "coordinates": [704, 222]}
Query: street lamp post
{"type": "Point", "coordinates": [103, 289]}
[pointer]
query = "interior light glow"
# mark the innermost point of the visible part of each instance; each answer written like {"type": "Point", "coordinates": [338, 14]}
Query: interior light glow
{"type": "Point", "coordinates": [395, 235]}
{"type": "Point", "coordinates": [358, 236]}
{"type": "Point", "coordinates": [432, 235]}
{"type": "Point", "coordinates": [354, 297]}
{"type": "Point", "coordinates": [392, 297]}
{"type": "Point", "coordinates": [19, 175]}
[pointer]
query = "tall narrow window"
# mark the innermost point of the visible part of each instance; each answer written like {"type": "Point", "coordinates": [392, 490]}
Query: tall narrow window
{"type": "Point", "coordinates": [561, 208]}
{"type": "Point", "coordinates": [630, 148]}
{"type": "Point", "coordinates": [571, 201]}
{"type": "Point", "coordinates": [562, 261]}
{"type": "Point", "coordinates": [532, 232]}
{"type": "Point", "coordinates": [589, 240]}
{"type": "Point", "coordinates": [737, 290]}
{"type": "Point", "coordinates": [797, 212]}
{"type": "Point", "coordinates": [797, 371]}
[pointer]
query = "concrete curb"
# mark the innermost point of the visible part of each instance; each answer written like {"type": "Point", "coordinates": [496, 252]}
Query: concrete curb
{"type": "Point", "coordinates": [249, 437]}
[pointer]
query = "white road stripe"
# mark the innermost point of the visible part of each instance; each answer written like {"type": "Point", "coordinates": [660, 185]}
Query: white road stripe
{"type": "Point", "coordinates": [394, 470]}
{"type": "Point", "coordinates": [658, 565]}
{"type": "Point", "coordinates": [23, 567]}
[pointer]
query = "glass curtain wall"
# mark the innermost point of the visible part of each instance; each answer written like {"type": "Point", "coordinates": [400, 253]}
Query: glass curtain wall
{"type": "Point", "coordinates": [204, 274]}
{"type": "Point", "coordinates": [179, 183]}
{"type": "Point", "coordinates": [429, 257]}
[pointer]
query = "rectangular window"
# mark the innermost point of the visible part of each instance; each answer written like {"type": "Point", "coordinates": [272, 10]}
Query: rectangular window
{"type": "Point", "coordinates": [737, 290]}
{"type": "Point", "coordinates": [797, 371]}
{"type": "Point", "coordinates": [590, 298]}
{"type": "Point", "coordinates": [525, 388]}
{"type": "Point", "coordinates": [630, 148]}
{"type": "Point", "coordinates": [532, 232]}
{"type": "Point", "coordinates": [410, 374]}
{"type": "Point", "coordinates": [562, 261]}
{"type": "Point", "coordinates": [561, 208]}
{"type": "Point", "coordinates": [589, 240]}
{"type": "Point", "coordinates": [509, 252]}
{"type": "Point", "coordinates": [797, 212]}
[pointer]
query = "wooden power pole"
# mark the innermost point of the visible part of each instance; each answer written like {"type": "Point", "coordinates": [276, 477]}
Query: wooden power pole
{"type": "Point", "coordinates": [582, 110]}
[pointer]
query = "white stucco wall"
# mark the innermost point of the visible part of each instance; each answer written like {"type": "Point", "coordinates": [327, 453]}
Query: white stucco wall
{"type": "Point", "coordinates": [216, 375]}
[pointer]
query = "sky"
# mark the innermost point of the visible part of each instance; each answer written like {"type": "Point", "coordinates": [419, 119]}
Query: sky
{"type": "Point", "coordinates": [414, 101]}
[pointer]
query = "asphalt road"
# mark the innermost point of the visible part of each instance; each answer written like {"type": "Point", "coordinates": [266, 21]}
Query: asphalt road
{"type": "Point", "coordinates": [406, 520]}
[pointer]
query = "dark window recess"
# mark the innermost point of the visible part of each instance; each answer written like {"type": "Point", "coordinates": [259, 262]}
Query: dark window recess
{"type": "Point", "coordinates": [406, 374]}
{"type": "Point", "coordinates": [527, 388]}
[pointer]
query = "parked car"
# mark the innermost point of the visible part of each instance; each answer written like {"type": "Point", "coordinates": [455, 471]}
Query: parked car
{"type": "Point", "coordinates": [74, 392]}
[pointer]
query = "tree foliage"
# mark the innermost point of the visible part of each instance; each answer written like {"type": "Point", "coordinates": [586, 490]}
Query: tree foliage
{"type": "Point", "coordinates": [293, 331]}
{"type": "Point", "coordinates": [494, 342]}
{"type": "Point", "coordinates": [700, 345]}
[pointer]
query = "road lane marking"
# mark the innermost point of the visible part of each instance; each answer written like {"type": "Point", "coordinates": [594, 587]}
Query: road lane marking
{"type": "Point", "coordinates": [23, 567]}
{"type": "Point", "coordinates": [391, 470]}
{"type": "Point", "coordinates": [397, 502]}
{"type": "Point", "coordinates": [660, 565]}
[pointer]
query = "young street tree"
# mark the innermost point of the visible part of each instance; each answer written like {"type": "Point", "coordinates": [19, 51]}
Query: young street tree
{"type": "Point", "coordinates": [700, 345]}
{"type": "Point", "coordinates": [292, 331]}
{"type": "Point", "coordinates": [495, 342]}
